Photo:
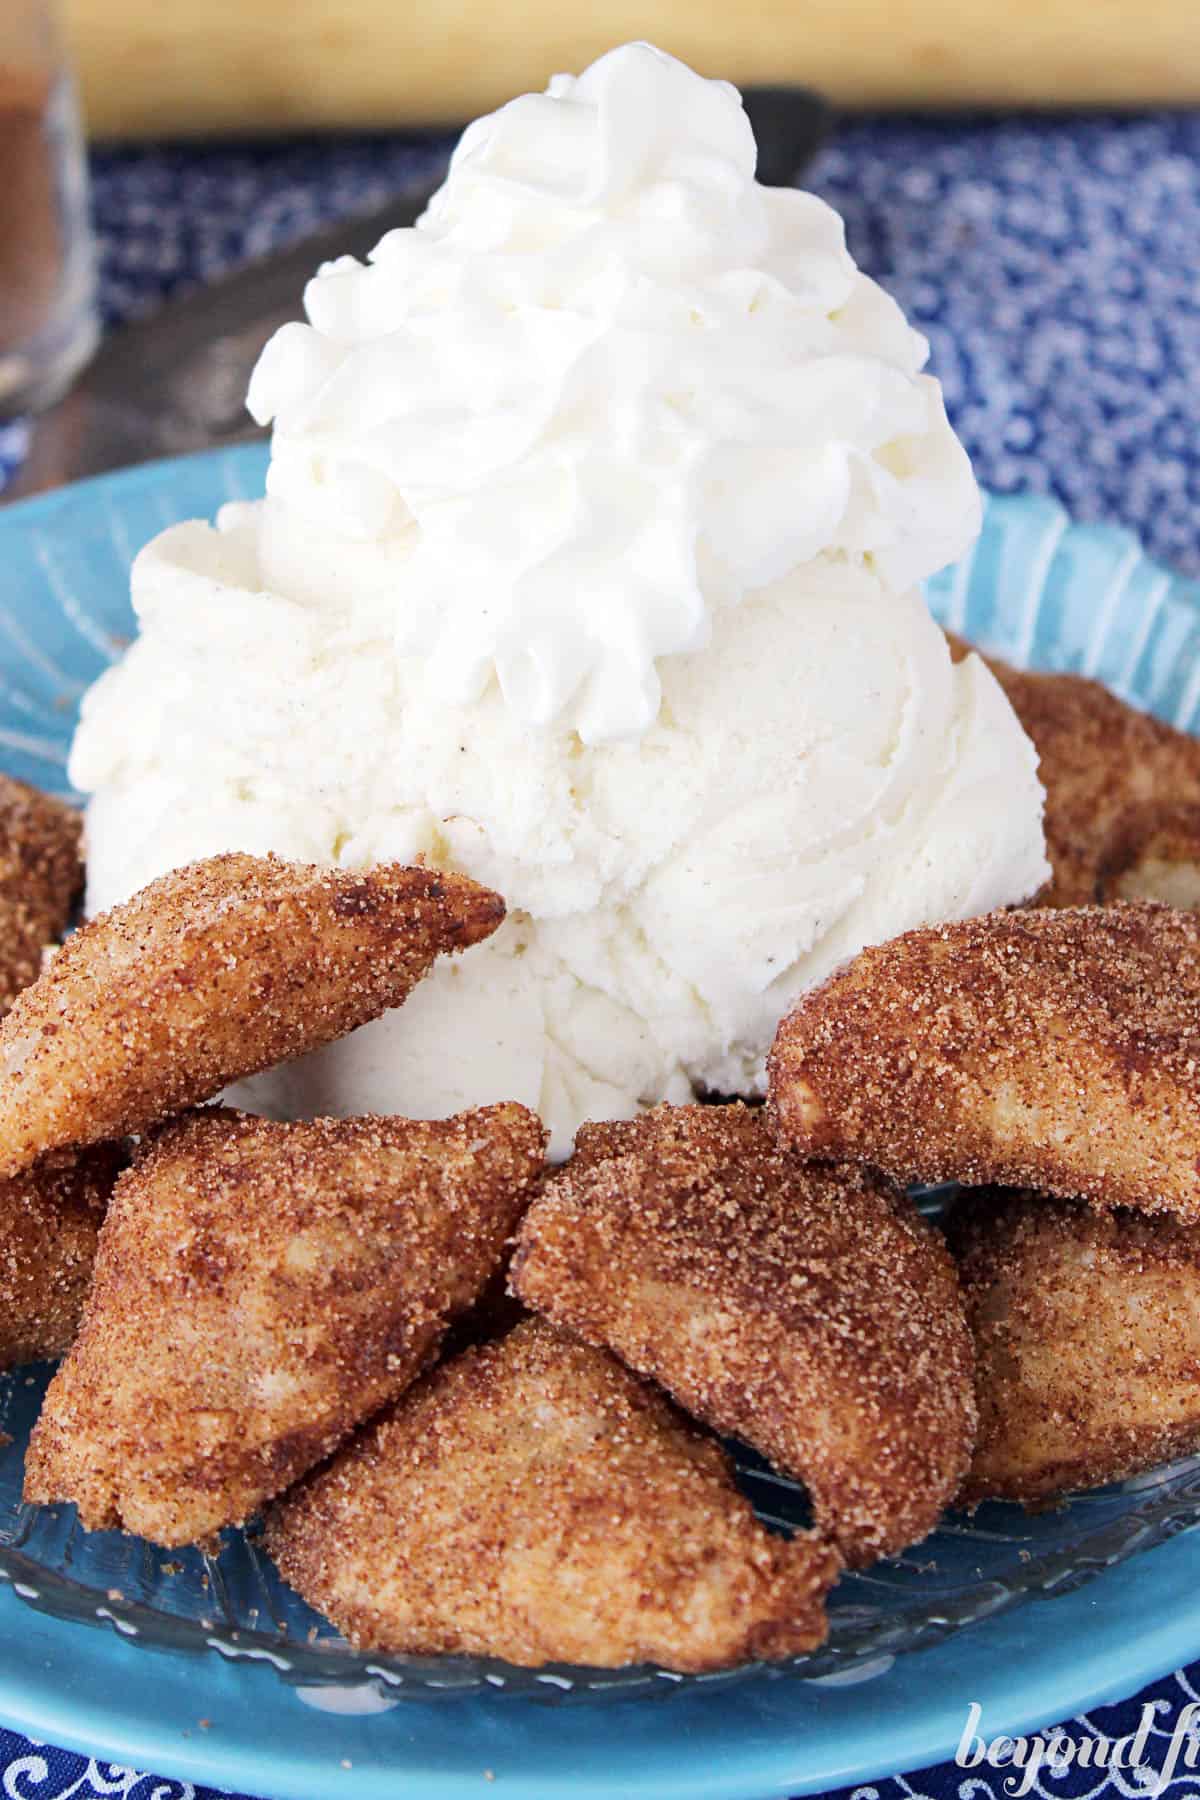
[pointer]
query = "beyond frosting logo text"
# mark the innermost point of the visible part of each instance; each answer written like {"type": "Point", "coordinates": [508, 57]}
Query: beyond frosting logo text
{"type": "Point", "coordinates": [1057, 1751]}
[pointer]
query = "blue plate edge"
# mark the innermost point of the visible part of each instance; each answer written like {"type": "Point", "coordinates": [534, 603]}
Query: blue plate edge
{"type": "Point", "coordinates": [34, 507]}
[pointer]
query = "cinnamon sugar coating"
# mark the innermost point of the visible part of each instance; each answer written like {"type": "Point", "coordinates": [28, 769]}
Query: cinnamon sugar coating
{"type": "Point", "coordinates": [41, 876]}
{"type": "Point", "coordinates": [214, 972]}
{"type": "Point", "coordinates": [259, 1289]}
{"type": "Point", "coordinates": [50, 1219]}
{"type": "Point", "coordinates": [1058, 1050]}
{"type": "Point", "coordinates": [807, 1310]}
{"type": "Point", "coordinates": [533, 1500]}
{"type": "Point", "coordinates": [1156, 856]}
{"type": "Point", "coordinates": [1087, 1333]}
{"type": "Point", "coordinates": [1122, 790]}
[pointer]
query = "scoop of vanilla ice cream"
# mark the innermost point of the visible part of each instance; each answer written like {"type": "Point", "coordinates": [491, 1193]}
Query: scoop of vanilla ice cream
{"type": "Point", "coordinates": [588, 565]}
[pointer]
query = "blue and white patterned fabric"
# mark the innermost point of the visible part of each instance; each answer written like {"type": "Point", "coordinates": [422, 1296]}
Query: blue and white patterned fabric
{"type": "Point", "coordinates": [1054, 265]}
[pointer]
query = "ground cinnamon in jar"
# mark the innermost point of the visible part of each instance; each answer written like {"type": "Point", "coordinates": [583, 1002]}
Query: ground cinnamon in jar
{"type": "Point", "coordinates": [30, 229]}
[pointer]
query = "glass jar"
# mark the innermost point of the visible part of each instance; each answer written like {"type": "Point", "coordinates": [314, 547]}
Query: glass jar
{"type": "Point", "coordinates": [48, 320]}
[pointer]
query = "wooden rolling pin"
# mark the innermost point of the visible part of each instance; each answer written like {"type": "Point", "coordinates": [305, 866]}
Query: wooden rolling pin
{"type": "Point", "coordinates": [152, 67]}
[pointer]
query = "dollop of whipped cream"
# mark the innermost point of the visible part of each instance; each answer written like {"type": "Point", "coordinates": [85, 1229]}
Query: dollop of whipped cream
{"type": "Point", "coordinates": [606, 388]}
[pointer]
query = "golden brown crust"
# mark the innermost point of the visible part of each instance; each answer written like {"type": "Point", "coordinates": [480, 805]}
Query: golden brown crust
{"type": "Point", "coordinates": [1087, 1331]}
{"type": "Point", "coordinates": [41, 875]}
{"type": "Point", "coordinates": [1109, 772]}
{"type": "Point", "coordinates": [809, 1311]}
{"type": "Point", "coordinates": [1155, 855]}
{"type": "Point", "coordinates": [259, 1289]}
{"type": "Point", "coordinates": [50, 1218]}
{"type": "Point", "coordinates": [1058, 1050]}
{"type": "Point", "coordinates": [214, 972]}
{"type": "Point", "coordinates": [599, 1139]}
{"type": "Point", "coordinates": [532, 1500]}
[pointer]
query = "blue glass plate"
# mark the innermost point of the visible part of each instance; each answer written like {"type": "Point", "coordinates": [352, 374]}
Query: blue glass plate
{"type": "Point", "coordinates": [1037, 589]}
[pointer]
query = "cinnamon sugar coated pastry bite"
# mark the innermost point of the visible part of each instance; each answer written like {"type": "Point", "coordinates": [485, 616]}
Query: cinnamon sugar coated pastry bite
{"type": "Point", "coordinates": [259, 1289]}
{"type": "Point", "coordinates": [213, 972]}
{"type": "Point", "coordinates": [1122, 790]}
{"type": "Point", "coordinates": [808, 1310]}
{"type": "Point", "coordinates": [1058, 1050]}
{"type": "Point", "coordinates": [50, 1219]}
{"type": "Point", "coordinates": [1087, 1332]}
{"type": "Point", "coordinates": [533, 1500]}
{"type": "Point", "coordinates": [1156, 856]}
{"type": "Point", "coordinates": [41, 876]}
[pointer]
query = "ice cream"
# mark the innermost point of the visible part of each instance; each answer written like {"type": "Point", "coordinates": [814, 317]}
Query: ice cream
{"type": "Point", "coordinates": [589, 564]}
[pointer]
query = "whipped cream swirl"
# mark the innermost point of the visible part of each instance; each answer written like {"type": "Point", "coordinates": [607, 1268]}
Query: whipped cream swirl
{"type": "Point", "coordinates": [607, 387]}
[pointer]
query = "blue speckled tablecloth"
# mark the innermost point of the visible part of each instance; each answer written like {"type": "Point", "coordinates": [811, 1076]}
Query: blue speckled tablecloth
{"type": "Point", "coordinates": [1054, 265]}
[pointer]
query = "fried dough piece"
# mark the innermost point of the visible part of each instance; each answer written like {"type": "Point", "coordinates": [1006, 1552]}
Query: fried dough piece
{"type": "Point", "coordinates": [1087, 1334]}
{"type": "Point", "coordinates": [214, 972]}
{"type": "Point", "coordinates": [1155, 855]}
{"type": "Point", "coordinates": [41, 875]}
{"type": "Point", "coordinates": [1122, 790]}
{"type": "Point", "coordinates": [532, 1500]}
{"type": "Point", "coordinates": [50, 1217]}
{"type": "Point", "coordinates": [809, 1311]}
{"type": "Point", "coordinates": [260, 1288]}
{"type": "Point", "coordinates": [1058, 1050]}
